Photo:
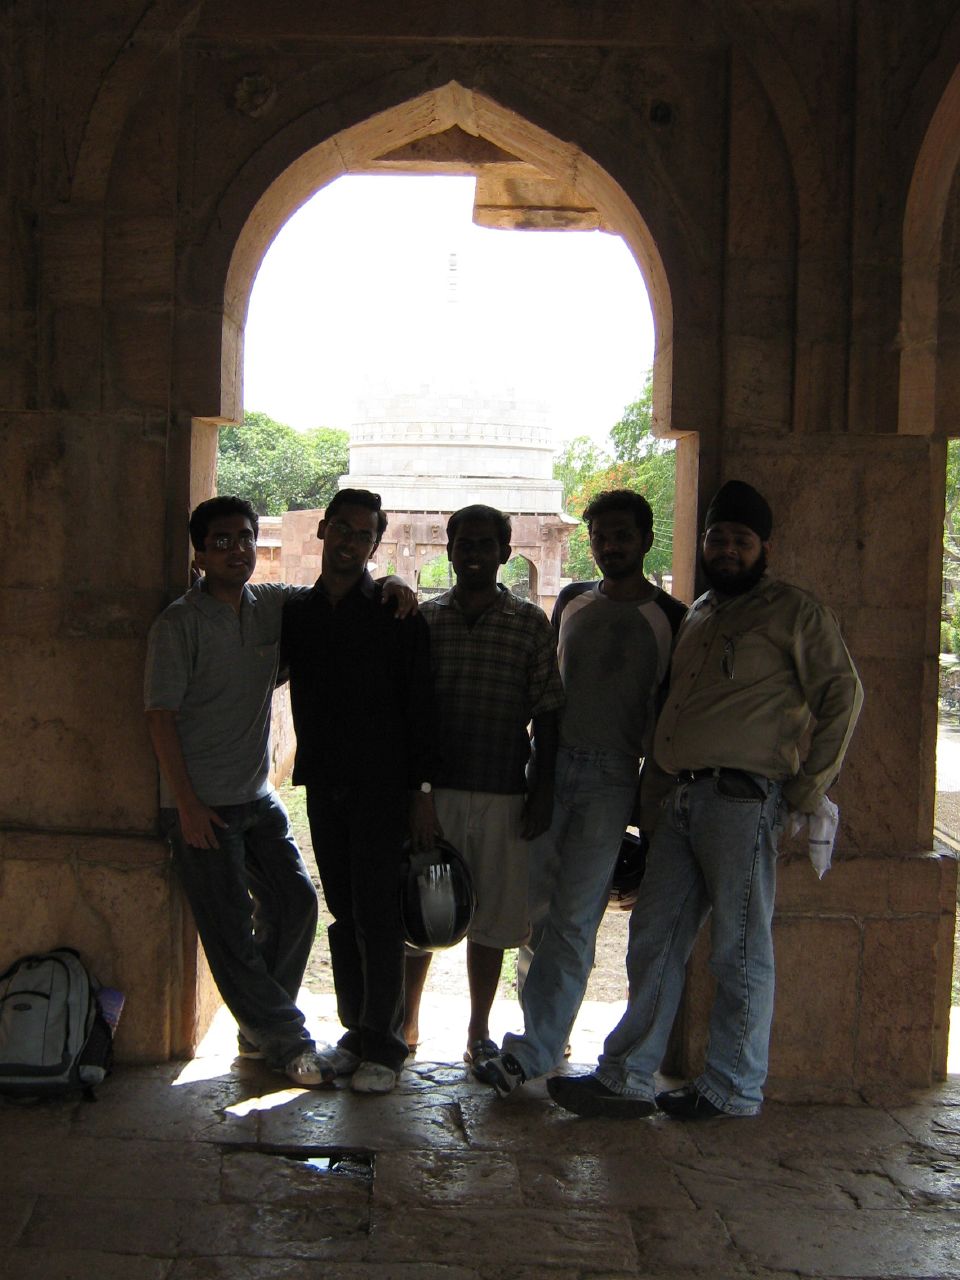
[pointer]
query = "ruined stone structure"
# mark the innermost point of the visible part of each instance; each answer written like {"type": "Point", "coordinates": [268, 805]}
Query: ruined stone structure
{"type": "Point", "coordinates": [786, 175]}
{"type": "Point", "coordinates": [429, 452]}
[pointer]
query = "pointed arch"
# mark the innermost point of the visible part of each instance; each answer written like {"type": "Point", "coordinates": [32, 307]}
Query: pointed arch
{"type": "Point", "coordinates": [928, 202]}
{"type": "Point", "coordinates": [353, 150]}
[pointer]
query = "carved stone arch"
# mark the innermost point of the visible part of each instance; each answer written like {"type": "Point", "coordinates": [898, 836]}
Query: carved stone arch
{"type": "Point", "coordinates": [532, 560]}
{"type": "Point", "coordinates": [158, 31]}
{"type": "Point", "coordinates": [217, 272]}
{"type": "Point", "coordinates": [356, 147]}
{"type": "Point", "coordinates": [926, 354]}
{"type": "Point", "coordinates": [819, 311]}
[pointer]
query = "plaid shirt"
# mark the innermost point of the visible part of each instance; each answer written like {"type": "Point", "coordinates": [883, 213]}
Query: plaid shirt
{"type": "Point", "coordinates": [490, 680]}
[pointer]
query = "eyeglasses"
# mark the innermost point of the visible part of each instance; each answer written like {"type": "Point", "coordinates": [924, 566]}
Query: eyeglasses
{"type": "Point", "coordinates": [227, 541]}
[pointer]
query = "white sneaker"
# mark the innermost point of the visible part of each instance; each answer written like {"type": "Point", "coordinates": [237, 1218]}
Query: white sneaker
{"type": "Point", "coordinates": [340, 1061]}
{"type": "Point", "coordinates": [309, 1069]}
{"type": "Point", "coordinates": [373, 1077]}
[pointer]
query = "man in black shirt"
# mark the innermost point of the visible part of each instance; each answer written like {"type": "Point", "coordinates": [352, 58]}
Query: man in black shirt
{"type": "Point", "coordinates": [362, 707]}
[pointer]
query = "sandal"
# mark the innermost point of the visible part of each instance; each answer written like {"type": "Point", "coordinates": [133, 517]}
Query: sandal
{"type": "Point", "coordinates": [478, 1052]}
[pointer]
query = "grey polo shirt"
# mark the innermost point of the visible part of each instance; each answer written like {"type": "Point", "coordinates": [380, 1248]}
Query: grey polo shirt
{"type": "Point", "coordinates": [217, 669]}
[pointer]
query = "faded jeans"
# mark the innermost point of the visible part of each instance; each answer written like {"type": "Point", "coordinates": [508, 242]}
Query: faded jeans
{"type": "Point", "coordinates": [710, 852]}
{"type": "Point", "coordinates": [571, 866]}
{"type": "Point", "coordinates": [256, 913]}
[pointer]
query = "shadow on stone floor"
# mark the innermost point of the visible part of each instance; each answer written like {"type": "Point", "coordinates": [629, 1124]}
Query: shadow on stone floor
{"type": "Point", "coordinates": [202, 1170]}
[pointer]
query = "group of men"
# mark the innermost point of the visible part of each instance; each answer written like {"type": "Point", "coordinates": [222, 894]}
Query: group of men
{"type": "Point", "coordinates": [521, 743]}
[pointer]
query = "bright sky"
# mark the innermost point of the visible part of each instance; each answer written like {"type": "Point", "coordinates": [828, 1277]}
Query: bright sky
{"type": "Point", "coordinates": [383, 284]}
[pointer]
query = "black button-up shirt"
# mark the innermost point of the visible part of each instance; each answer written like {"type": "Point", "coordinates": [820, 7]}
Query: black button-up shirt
{"type": "Point", "coordinates": [361, 690]}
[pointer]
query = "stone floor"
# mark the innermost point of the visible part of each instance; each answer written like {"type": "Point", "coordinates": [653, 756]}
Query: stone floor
{"type": "Point", "coordinates": [215, 1169]}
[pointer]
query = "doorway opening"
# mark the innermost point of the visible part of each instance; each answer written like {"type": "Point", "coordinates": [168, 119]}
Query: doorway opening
{"type": "Point", "coordinates": [562, 187]}
{"type": "Point", "coordinates": [491, 331]}
{"type": "Point", "coordinates": [947, 807]}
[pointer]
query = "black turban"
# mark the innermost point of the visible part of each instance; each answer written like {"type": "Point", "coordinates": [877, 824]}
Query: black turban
{"type": "Point", "coordinates": [739, 503]}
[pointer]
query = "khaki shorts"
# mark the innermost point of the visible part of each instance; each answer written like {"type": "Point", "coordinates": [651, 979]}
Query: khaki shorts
{"type": "Point", "coordinates": [485, 828]}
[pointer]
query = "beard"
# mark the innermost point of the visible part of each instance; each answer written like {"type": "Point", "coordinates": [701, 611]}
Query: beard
{"type": "Point", "coordinates": [735, 584]}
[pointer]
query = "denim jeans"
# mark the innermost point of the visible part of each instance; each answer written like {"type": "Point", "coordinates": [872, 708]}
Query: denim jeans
{"type": "Point", "coordinates": [357, 836]}
{"type": "Point", "coordinates": [256, 913]}
{"type": "Point", "coordinates": [570, 870]}
{"type": "Point", "coordinates": [710, 852]}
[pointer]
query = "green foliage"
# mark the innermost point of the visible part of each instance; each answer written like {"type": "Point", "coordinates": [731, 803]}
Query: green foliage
{"type": "Point", "coordinates": [950, 607]}
{"type": "Point", "coordinates": [437, 572]}
{"type": "Point", "coordinates": [508, 975]}
{"type": "Point", "coordinates": [640, 462]}
{"type": "Point", "coordinates": [515, 574]}
{"type": "Point", "coordinates": [279, 469]}
{"type": "Point", "coordinates": [576, 462]}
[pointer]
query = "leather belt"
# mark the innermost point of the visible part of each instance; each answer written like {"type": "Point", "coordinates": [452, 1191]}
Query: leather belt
{"type": "Point", "coordinates": [694, 775]}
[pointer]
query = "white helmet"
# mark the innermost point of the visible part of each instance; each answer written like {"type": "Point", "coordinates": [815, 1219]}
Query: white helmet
{"type": "Point", "coordinates": [437, 899]}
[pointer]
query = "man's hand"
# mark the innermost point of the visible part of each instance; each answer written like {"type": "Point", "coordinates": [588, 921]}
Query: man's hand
{"type": "Point", "coordinates": [395, 588]}
{"type": "Point", "coordinates": [197, 822]}
{"type": "Point", "coordinates": [537, 811]}
{"type": "Point", "coordinates": [424, 825]}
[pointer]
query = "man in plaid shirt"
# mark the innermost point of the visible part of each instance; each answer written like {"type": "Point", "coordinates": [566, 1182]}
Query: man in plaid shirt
{"type": "Point", "coordinates": [494, 660]}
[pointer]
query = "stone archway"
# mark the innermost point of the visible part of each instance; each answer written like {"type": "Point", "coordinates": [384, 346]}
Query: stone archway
{"type": "Point", "coordinates": [449, 129]}
{"type": "Point", "coordinates": [929, 357]}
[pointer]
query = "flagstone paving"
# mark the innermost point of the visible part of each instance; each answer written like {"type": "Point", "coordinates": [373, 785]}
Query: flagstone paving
{"type": "Point", "coordinates": [218, 1168]}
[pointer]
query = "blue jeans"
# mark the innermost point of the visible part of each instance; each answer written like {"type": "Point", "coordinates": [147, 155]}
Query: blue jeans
{"type": "Point", "coordinates": [710, 852]}
{"type": "Point", "coordinates": [256, 913]}
{"type": "Point", "coordinates": [570, 870]}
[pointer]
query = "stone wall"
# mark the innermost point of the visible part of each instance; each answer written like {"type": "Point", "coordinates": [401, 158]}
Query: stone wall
{"type": "Point", "coordinates": [786, 177]}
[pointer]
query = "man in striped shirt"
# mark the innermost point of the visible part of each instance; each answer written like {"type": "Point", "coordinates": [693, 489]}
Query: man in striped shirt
{"type": "Point", "coordinates": [494, 664]}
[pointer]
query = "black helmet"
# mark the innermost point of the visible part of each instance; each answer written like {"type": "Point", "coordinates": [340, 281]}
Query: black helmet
{"type": "Point", "coordinates": [437, 900]}
{"type": "Point", "coordinates": [631, 864]}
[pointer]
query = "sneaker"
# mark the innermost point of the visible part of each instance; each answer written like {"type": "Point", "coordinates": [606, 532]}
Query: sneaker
{"type": "Point", "coordinates": [503, 1072]}
{"type": "Point", "coordinates": [339, 1061]}
{"type": "Point", "coordinates": [247, 1049]}
{"type": "Point", "coordinates": [373, 1077]}
{"type": "Point", "coordinates": [589, 1096]}
{"type": "Point", "coordinates": [686, 1103]}
{"type": "Point", "coordinates": [308, 1069]}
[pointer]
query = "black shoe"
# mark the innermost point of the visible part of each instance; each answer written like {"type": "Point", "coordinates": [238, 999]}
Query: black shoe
{"type": "Point", "coordinates": [588, 1096]}
{"type": "Point", "coordinates": [686, 1103]}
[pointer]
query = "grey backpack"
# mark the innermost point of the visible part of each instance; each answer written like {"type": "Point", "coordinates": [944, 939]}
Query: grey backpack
{"type": "Point", "coordinates": [53, 1035]}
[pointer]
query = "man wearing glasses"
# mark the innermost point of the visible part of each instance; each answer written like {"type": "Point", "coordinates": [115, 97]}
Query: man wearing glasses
{"type": "Point", "coordinates": [210, 675]}
{"type": "Point", "coordinates": [362, 700]}
{"type": "Point", "coordinates": [757, 662]}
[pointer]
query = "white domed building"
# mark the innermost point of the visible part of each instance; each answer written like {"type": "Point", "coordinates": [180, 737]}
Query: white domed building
{"type": "Point", "coordinates": [430, 451]}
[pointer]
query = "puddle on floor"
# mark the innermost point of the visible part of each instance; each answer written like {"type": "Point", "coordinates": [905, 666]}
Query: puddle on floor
{"type": "Point", "coordinates": [342, 1162]}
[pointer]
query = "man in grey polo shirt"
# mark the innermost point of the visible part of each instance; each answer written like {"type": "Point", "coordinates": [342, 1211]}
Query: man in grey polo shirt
{"type": "Point", "coordinates": [210, 675]}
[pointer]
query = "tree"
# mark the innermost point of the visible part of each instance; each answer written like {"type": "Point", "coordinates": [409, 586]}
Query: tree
{"type": "Point", "coordinates": [575, 466]}
{"type": "Point", "coordinates": [579, 460]}
{"type": "Point", "coordinates": [950, 610]}
{"type": "Point", "coordinates": [279, 469]}
{"type": "Point", "coordinates": [648, 465]}
{"type": "Point", "coordinates": [640, 462]}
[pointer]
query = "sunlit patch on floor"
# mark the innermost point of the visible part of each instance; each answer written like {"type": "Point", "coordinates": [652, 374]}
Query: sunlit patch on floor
{"type": "Point", "coordinates": [265, 1102]}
